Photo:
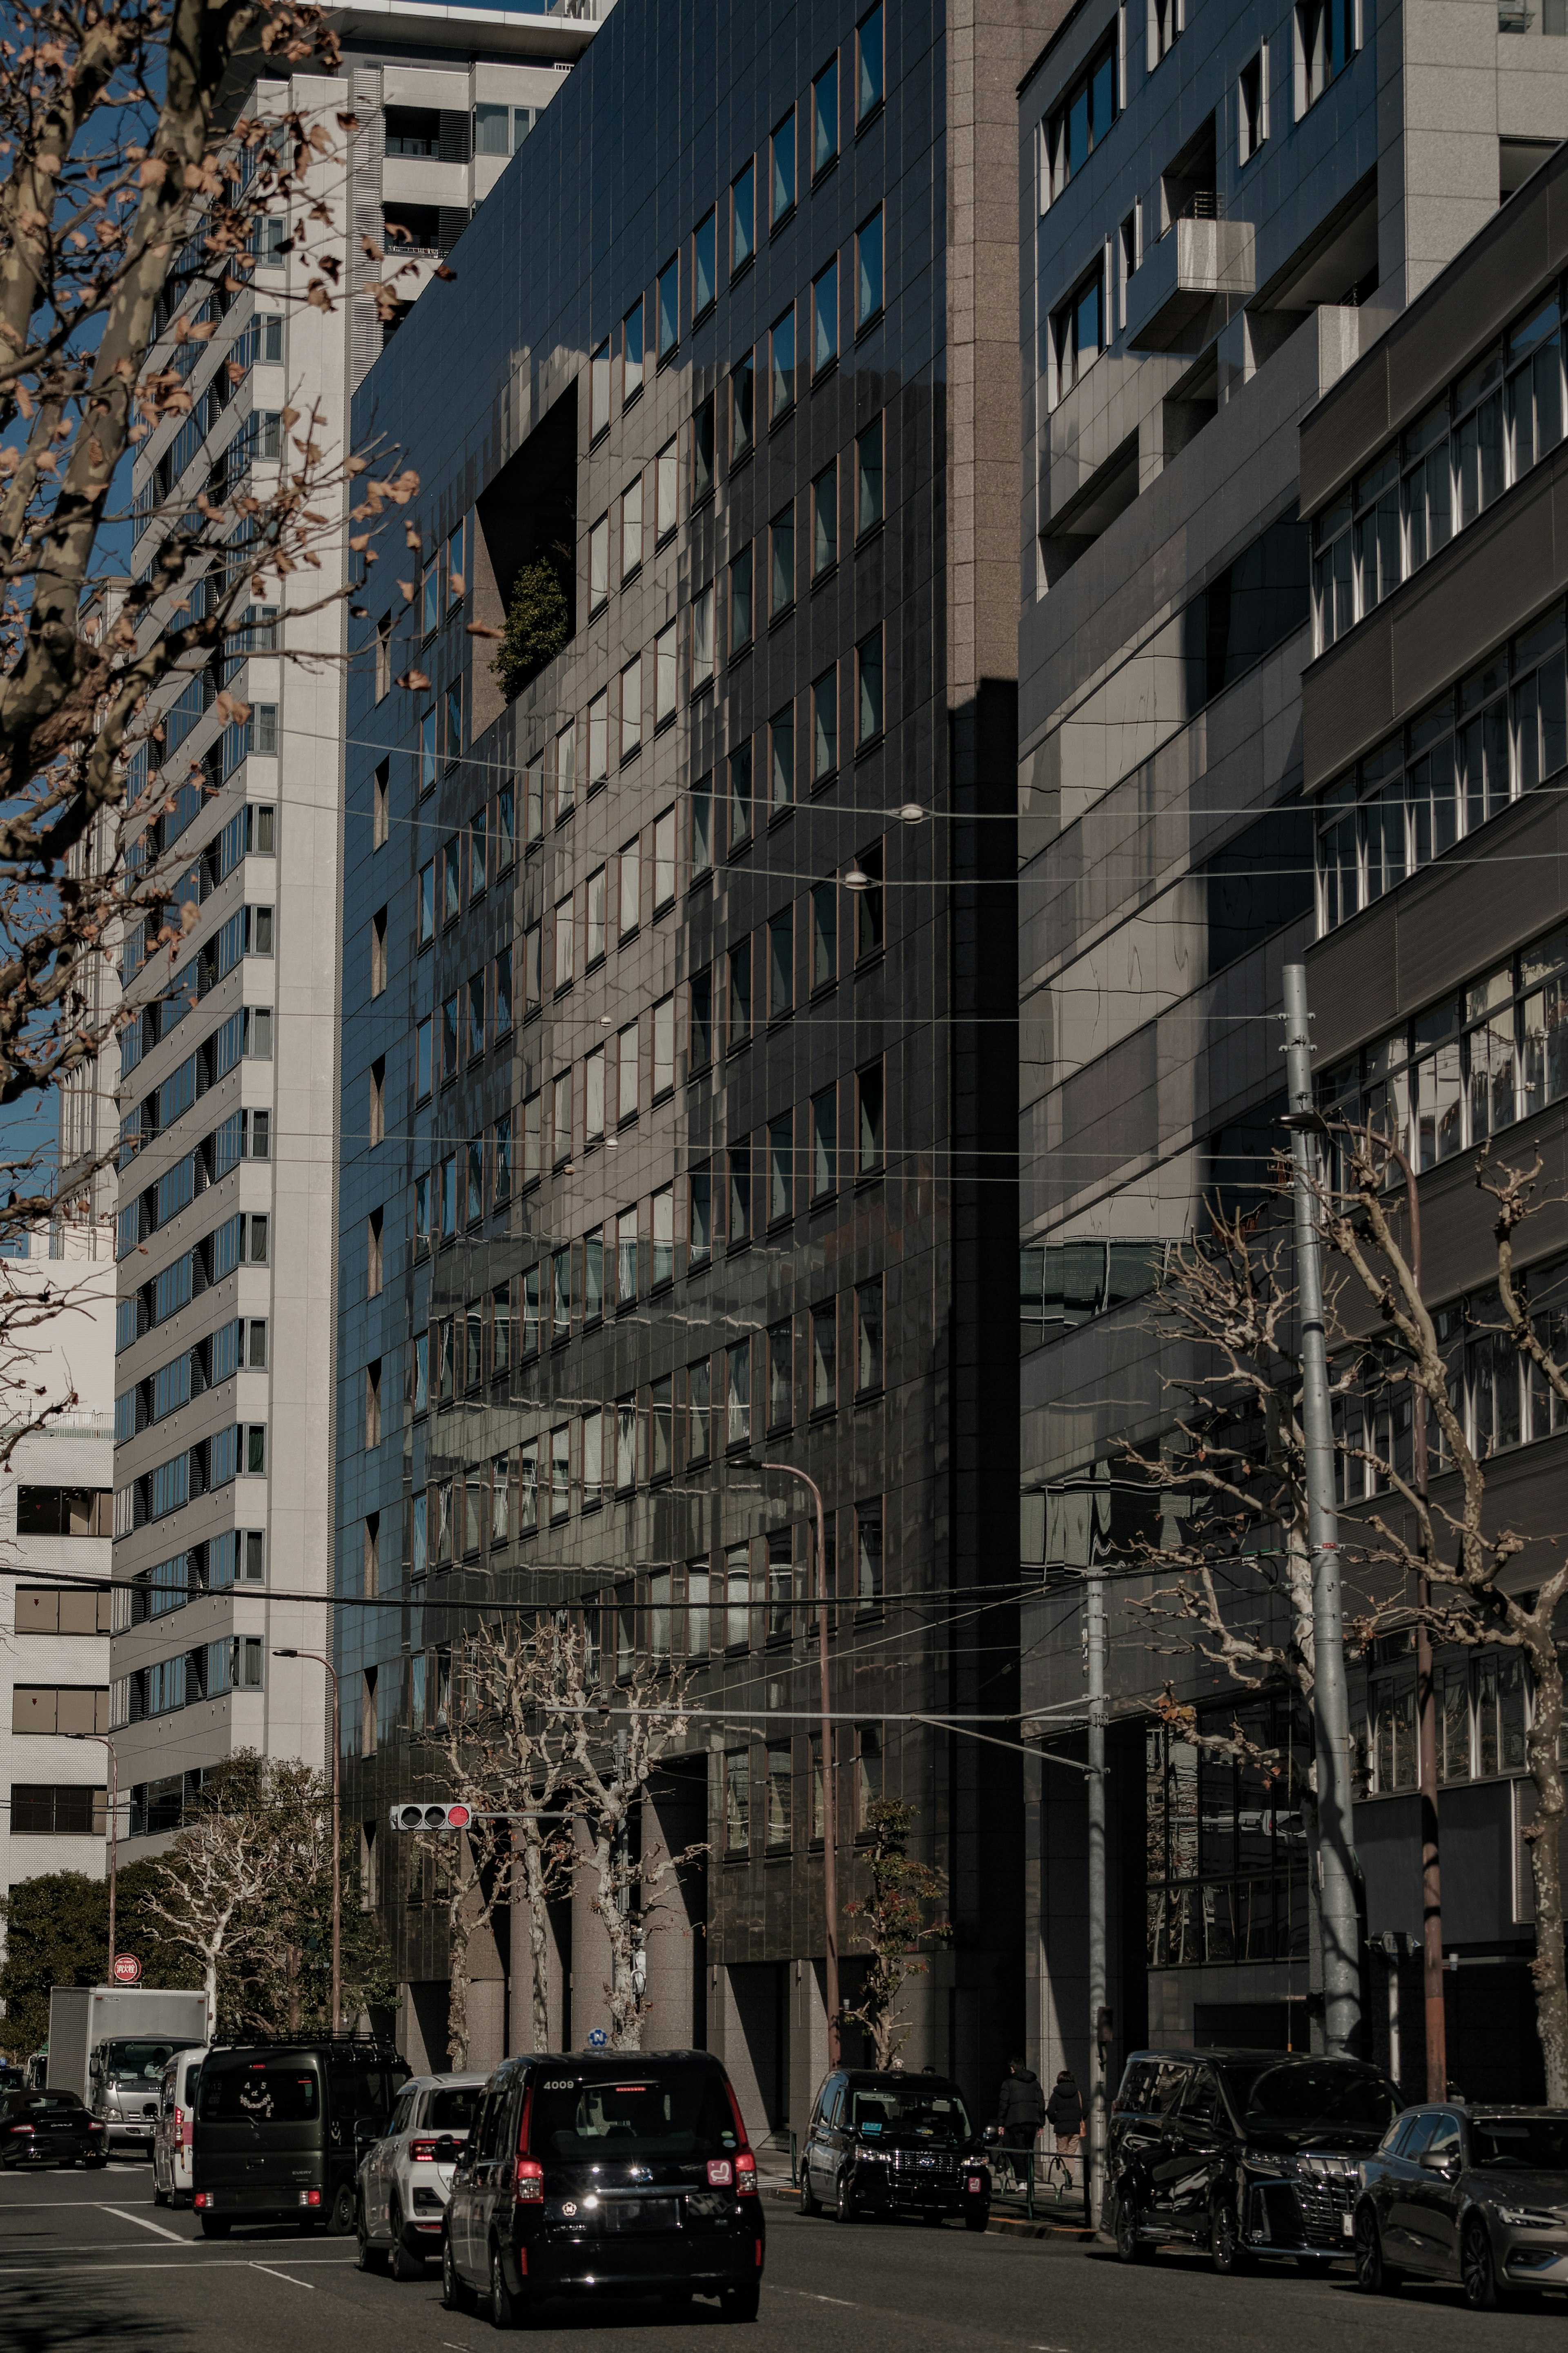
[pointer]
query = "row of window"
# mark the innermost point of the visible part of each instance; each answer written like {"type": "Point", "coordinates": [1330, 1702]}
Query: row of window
{"type": "Point", "coordinates": [251, 831]}
{"type": "Point", "coordinates": [237, 1450]}
{"type": "Point", "coordinates": [209, 1672]}
{"type": "Point", "coordinates": [1064, 1284]}
{"type": "Point", "coordinates": [1484, 1706]}
{"type": "Point", "coordinates": [233, 1347]}
{"type": "Point", "coordinates": [242, 1240]}
{"type": "Point", "coordinates": [45, 1609]}
{"type": "Point", "coordinates": [234, 1557]}
{"type": "Point", "coordinates": [243, 1136]}
{"type": "Point", "coordinates": [248, 932]}
{"type": "Point", "coordinates": [246, 1036]}
{"type": "Point", "coordinates": [760, 1790]}
{"type": "Point", "coordinates": [1489, 428]}
{"type": "Point", "coordinates": [63, 1709]}
{"type": "Point", "coordinates": [1467, 1067]}
{"type": "Point", "coordinates": [1498, 734]}
{"type": "Point", "coordinates": [57, 1809]}
{"type": "Point", "coordinates": [637, 353]}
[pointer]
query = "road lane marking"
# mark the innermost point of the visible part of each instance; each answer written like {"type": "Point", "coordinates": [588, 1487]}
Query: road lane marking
{"type": "Point", "coordinates": [142, 2224]}
{"type": "Point", "coordinates": [214, 2264]}
{"type": "Point", "coordinates": [810, 2296]}
{"type": "Point", "coordinates": [308, 2286]}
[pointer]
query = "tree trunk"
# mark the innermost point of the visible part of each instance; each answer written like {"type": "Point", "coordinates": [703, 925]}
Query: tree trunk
{"type": "Point", "coordinates": [457, 1991]}
{"type": "Point", "coordinates": [209, 1980]}
{"type": "Point", "coordinates": [1546, 1970]}
{"type": "Point", "coordinates": [538, 1941]}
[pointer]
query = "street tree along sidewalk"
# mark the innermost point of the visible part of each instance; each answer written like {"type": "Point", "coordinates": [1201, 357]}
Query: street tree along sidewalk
{"type": "Point", "coordinates": [1231, 1474]}
{"type": "Point", "coordinates": [893, 1924]}
{"type": "Point", "coordinates": [129, 213]}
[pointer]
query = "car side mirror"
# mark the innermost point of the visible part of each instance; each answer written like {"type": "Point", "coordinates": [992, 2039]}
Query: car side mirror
{"type": "Point", "coordinates": [366, 2130]}
{"type": "Point", "coordinates": [447, 2150]}
{"type": "Point", "coordinates": [1443, 2161]}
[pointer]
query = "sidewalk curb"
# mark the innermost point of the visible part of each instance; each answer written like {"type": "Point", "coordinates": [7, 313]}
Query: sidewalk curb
{"type": "Point", "coordinates": [1003, 2225]}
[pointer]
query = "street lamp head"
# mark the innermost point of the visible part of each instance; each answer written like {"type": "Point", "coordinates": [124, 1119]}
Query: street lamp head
{"type": "Point", "coordinates": [285, 1655]}
{"type": "Point", "coordinates": [856, 879]}
{"type": "Point", "coordinates": [912, 813]}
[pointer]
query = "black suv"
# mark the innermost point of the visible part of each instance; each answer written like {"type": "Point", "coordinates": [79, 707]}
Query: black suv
{"type": "Point", "coordinates": [1246, 2153]}
{"type": "Point", "coordinates": [608, 2172]}
{"type": "Point", "coordinates": [893, 2144]}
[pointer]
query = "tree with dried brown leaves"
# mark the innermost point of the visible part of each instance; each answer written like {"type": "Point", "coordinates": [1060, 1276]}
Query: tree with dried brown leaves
{"type": "Point", "coordinates": [894, 1922]}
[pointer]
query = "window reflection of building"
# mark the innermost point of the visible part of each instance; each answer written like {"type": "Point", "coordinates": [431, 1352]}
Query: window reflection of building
{"type": "Point", "coordinates": [1226, 1837]}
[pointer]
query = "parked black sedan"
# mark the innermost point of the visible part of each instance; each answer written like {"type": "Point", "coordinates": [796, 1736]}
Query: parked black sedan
{"type": "Point", "coordinates": [49, 2129]}
{"type": "Point", "coordinates": [1466, 2193]}
{"type": "Point", "coordinates": [884, 2145]}
{"type": "Point", "coordinates": [1246, 2153]}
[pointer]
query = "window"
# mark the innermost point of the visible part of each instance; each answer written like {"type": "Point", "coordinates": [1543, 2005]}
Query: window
{"type": "Point", "coordinates": [599, 392]}
{"type": "Point", "coordinates": [67, 1810]}
{"type": "Point", "coordinates": [630, 877]}
{"type": "Point", "coordinates": [702, 451]}
{"type": "Point", "coordinates": [825, 318]}
{"type": "Point", "coordinates": [631, 527]}
{"type": "Point", "coordinates": [532, 1137]}
{"type": "Point", "coordinates": [562, 1119]}
{"type": "Point", "coordinates": [869, 906]}
{"type": "Point", "coordinates": [740, 994]}
{"type": "Point", "coordinates": [476, 1014]}
{"type": "Point", "coordinates": [781, 964]}
{"type": "Point", "coordinates": [702, 827]}
{"type": "Point", "coordinates": [1325, 44]}
{"type": "Point", "coordinates": [668, 297]}
{"type": "Point", "coordinates": [780, 150]}
{"type": "Point", "coordinates": [781, 366]}
{"type": "Point", "coordinates": [565, 771]}
{"type": "Point", "coordinates": [451, 882]}
{"type": "Point", "coordinates": [868, 1151]}
{"type": "Point", "coordinates": [561, 1294]}
{"type": "Point", "coordinates": [427, 904]}
{"type": "Point", "coordinates": [384, 658]}
{"type": "Point", "coordinates": [739, 770]}
{"type": "Point", "coordinates": [534, 968]}
{"type": "Point", "coordinates": [868, 478]}
{"type": "Point", "coordinates": [1166, 18]}
{"type": "Point", "coordinates": [738, 1393]}
{"type": "Point", "coordinates": [868, 65]}
{"type": "Point", "coordinates": [869, 1337]}
{"type": "Point", "coordinates": [868, 1555]}
{"type": "Point", "coordinates": [698, 1420]}
{"type": "Point", "coordinates": [869, 270]}
{"type": "Point", "coordinates": [781, 1385]}
{"type": "Point", "coordinates": [599, 564]}
{"type": "Point", "coordinates": [533, 801]}
{"type": "Point", "coordinates": [704, 265]}
{"type": "Point", "coordinates": [593, 1096]}
{"type": "Point", "coordinates": [527, 1487]}
{"type": "Point", "coordinates": [564, 945]}
{"type": "Point", "coordinates": [781, 759]}
{"type": "Point", "coordinates": [825, 117]}
{"type": "Point", "coordinates": [594, 1263]}
{"type": "Point", "coordinates": [742, 219]}
{"type": "Point", "coordinates": [701, 1009]}
{"type": "Point", "coordinates": [663, 1047]}
{"type": "Point", "coordinates": [633, 354]}
{"type": "Point", "coordinates": [663, 1210]}
{"type": "Point", "coordinates": [825, 1357]}
{"type": "Point", "coordinates": [666, 489]}
{"type": "Point", "coordinates": [780, 1792]}
{"type": "Point", "coordinates": [702, 639]}
{"type": "Point", "coordinates": [427, 761]}
{"type": "Point", "coordinates": [626, 1072]}
{"type": "Point", "coordinates": [740, 602]}
{"type": "Point", "coordinates": [596, 932]}
{"type": "Point", "coordinates": [737, 1801]}
{"type": "Point", "coordinates": [825, 522]}
{"type": "Point", "coordinates": [380, 809]}
{"type": "Point", "coordinates": [1076, 126]}
{"type": "Point", "coordinates": [1252, 106]}
{"type": "Point", "coordinates": [869, 1771]}
{"type": "Point", "coordinates": [376, 1126]}
{"type": "Point", "coordinates": [631, 709]}
{"type": "Point", "coordinates": [823, 726]}
{"type": "Point", "coordinates": [478, 855]}
{"type": "Point", "coordinates": [824, 1143]}
{"type": "Point", "coordinates": [378, 951]}
{"type": "Point", "coordinates": [503, 1157]}
{"type": "Point", "coordinates": [869, 690]}
{"type": "Point", "coordinates": [781, 1169]}
{"type": "Point", "coordinates": [701, 1219]}
{"type": "Point", "coordinates": [598, 743]}
{"type": "Point", "coordinates": [1079, 331]}
{"type": "Point", "coordinates": [824, 934]}
{"type": "Point", "coordinates": [666, 677]}
{"type": "Point", "coordinates": [663, 859]}
{"type": "Point", "coordinates": [506, 843]}
{"type": "Point", "coordinates": [780, 563]}
{"type": "Point", "coordinates": [560, 1471]}
{"type": "Point", "coordinates": [740, 1162]}
{"type": "Point", "coordinates": [1131, 251]}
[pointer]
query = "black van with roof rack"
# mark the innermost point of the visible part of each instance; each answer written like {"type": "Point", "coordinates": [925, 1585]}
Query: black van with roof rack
{"type": "Point", "coordinates": [278, 2126]}
{"type": "Point", "coordinates": [1246, 2153]}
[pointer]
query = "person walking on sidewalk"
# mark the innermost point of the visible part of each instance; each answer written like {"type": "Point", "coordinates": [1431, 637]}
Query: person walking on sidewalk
{"type": "Point", "coordinates": [1020, 2113]}
{"type": "Point", "coordinates": [1064, 2114]}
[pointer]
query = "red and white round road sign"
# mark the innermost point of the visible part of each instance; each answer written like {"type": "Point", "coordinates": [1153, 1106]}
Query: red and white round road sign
{"type": "Point", "coordinates": [127, 1968]}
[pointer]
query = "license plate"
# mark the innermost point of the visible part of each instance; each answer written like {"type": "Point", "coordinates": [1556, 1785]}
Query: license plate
{"type": "Point", "coordinates": [1347, 2228]}
{"type": "Point", "coordinates": [974, 2184]}
{"type": "Point", "coordinates": [642, 2216]}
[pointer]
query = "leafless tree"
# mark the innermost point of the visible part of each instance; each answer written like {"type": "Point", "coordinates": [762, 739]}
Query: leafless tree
{"type": "Point", "coordinates": [215, 1875]}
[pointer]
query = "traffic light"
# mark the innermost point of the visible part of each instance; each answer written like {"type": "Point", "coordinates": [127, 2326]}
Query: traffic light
{"type": "Point", "coordinates": [414, 1817]}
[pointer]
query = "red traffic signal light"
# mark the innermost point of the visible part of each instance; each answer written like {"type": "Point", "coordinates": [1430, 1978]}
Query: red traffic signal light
{"type": "Point", "coordinates": [412, 1816]}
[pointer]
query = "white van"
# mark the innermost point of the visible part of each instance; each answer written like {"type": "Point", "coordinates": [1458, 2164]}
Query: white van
{"type": "Point", "coordinates": [174, 2131]}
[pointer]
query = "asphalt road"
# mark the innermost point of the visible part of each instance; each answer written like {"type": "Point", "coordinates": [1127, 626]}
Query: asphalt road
{"type": "Point", "coordinates": [87, 2259]}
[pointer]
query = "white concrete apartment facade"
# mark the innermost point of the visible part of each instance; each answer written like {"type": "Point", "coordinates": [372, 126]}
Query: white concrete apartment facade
{"type": "Point", "coordinates": [226, 1088]}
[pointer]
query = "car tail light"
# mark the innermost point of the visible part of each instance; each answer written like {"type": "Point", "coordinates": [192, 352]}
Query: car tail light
{"type": "Point", "coordinates": [202, 2197]}
{"type": "Point", "coordinates": [529, 2177]}
{"type": "Point", "coordinates": [721, 2173]}
{"type": "Point", "coordinates": [746, 2174]}
{"type": "Point", "coordinates": [423, 2152]}
{"type": "Point", "coordinates": [524, 2121]}
{"type": "Point", "coordinates": [310, 2197]}
{"type": "Point", "coordinates": [179, 2119]}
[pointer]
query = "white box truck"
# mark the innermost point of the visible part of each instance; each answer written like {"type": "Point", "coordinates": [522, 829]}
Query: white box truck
{"type": "Point", "coordinates": [110, 2044]}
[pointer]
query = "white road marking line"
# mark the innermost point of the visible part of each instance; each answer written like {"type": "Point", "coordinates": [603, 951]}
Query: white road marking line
{"type": "Point", "coordinates": [309, 2285]}
{"type": "Point", "coordinates": [142, 2224]}
{"type": "Point", "coordinates": [809, 2296]}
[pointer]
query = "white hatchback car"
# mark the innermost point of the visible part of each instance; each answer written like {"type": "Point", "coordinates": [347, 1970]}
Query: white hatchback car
{"type": "Point", "coordinates": [405, 2179]}
{"type": "Point", "coordinates": [174, 2131]}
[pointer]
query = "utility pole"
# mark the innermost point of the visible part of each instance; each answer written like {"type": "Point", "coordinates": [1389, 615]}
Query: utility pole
{"type": "Point", "coordinates": [104, 1742]}
{"type": "Point", "coordinates": [623, 1835]}
{"type": "Point", "coordinates": [1338, 1925]}
{"type": "Point", "coordinates": [829, 1824]}
{"type": "Point", "coordinates": [323, 1660]}
{"type": "Point", "coordinates": [1094, 1636]}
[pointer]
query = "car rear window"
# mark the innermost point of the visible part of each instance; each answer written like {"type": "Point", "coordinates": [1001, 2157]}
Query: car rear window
{"type": "Point", "coordinates": [647, 2116]}
{"type": "Point", "coordinates": [29, 2104]}
{"type": "Point", "coordinates": [452, 2111]}
{"type": "Point", "coordinates": [262, 2092]}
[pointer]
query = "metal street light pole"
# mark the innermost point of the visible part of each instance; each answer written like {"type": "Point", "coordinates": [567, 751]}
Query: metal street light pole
{"type": "Point", "coordinates": [104, 1741]}
{"type": "Point", "coordinates": [830, 1828]}
{"type": "Point", "coordinates": [1337, 1904]}
{"type": "Point", "coordinates": [323, 1660]}
{"type": "Point", "coordinates": [1094, 1630]}
{"type": "Point", "coordinates": [1427, 1704]}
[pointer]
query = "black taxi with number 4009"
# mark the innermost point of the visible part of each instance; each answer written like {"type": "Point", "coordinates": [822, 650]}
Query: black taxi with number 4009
{"type": "Point", "coordinates": [603, 2174]}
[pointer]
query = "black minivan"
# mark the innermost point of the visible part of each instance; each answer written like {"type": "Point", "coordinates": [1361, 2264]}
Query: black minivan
{"type": "Point", "coordinates": [608, 2173]}
{"type": "Point", "coordinates": [1246, 2153]}
{"type": "Point", "coordinates": [884, 2145]}
{"type": "Point", "coordinates": [278, 2127]}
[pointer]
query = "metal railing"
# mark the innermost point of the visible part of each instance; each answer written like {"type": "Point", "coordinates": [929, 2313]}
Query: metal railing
{"type": "Point", "coordinates": [1040, 2185]}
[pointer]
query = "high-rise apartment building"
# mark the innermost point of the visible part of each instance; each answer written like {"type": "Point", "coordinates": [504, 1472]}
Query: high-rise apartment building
{"type": "Point", "coordinates": [1226, 211]}
{"type": "Point", "coordinates": [678, 1084]}
{"type": "Point", "coordinates": [228, 1083]}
